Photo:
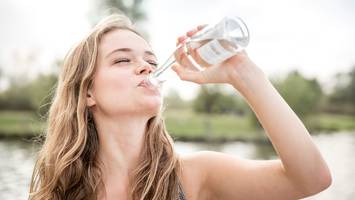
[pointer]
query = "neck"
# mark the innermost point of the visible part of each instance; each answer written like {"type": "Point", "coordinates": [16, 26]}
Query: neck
{"type": "Point", "coordinates": [121, 141]}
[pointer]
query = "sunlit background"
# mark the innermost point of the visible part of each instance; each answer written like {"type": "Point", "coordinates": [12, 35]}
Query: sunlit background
{"type": "Point", "coordinates": [307, 48]}
{"type": "Point", "coordinates": [314, 37]}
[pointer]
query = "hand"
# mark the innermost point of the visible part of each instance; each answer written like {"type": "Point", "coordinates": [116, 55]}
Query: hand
{"type": "Point", "coordinates": [233, 71]}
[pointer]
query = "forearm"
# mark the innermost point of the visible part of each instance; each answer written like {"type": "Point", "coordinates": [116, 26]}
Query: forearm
{"type": "Point", "coordinates": [301, 159]}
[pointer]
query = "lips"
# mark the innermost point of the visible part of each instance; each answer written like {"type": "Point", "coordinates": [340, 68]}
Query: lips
{"type": "Point", "coordinates": [149, 87]}
{"type": "Point", "coordinates": [144, 83]}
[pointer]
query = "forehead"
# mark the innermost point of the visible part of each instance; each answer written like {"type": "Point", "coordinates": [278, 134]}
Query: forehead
{"type": "Point", "coordinates": [122, 38]}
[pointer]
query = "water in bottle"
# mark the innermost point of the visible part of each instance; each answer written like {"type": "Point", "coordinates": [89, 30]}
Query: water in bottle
{"type": "Point", "coordinates": [214, 44]}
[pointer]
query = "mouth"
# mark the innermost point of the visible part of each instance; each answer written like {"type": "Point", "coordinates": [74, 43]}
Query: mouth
{"type": "Point", "coordinates": [145, 83]}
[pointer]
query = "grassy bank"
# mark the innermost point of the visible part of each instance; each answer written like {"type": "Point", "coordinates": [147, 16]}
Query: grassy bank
{"type": "Point", "coordinates": [330, 122]}
{"type": "Point", "coordinates": [185, 125]}
{"type": "Point", "coordinates": [19, 124]}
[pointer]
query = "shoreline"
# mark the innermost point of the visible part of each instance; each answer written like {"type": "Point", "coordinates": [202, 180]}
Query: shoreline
{"type": "Point", "coordinates": [259, 138]}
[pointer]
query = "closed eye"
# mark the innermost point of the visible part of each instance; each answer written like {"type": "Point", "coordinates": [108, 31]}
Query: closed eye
{"type": "Point", "coordinates": [126, 60]}
{"type": "Point", "coordinates": [123, 60]}
{"type": "Point", "coordinates": [153, 63]}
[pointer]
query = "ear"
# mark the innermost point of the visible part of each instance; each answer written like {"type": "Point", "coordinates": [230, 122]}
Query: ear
{"type": "Point", "coordinates": [90, 100]}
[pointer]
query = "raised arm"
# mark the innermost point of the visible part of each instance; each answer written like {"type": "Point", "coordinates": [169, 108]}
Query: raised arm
{"type": "Point", "coordinates": [301, 170]}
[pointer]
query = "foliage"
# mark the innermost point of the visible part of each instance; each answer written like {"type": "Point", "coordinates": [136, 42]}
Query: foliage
{"type": "Point", "coordinates": [212, 99]}
{"type": "Point", "coordinates": [35, 96]}
{"type": "Point", "coordinates": [303, 95]}
{"type": "Point", "coordinates": [173, 101]}
{"type": "Point", "coordinates": [42, 91]}
{"type": "Point", "coordinates": [342, 99]}
{"type": "Point", "coordinates": [16, 98]}
{"type": "Point", "coordinates": [131, 8]}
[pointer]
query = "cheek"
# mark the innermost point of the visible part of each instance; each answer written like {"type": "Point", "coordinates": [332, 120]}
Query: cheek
{"type": "Point", "coordinates": [113, 88]}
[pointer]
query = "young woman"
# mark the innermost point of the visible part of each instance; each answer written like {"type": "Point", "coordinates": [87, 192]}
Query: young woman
{"type": "Point", "coordinates": [106, 138]}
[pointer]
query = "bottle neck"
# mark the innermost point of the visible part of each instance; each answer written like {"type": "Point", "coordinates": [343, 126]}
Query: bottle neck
{"type": "Point", "coordinates": [169, 62]}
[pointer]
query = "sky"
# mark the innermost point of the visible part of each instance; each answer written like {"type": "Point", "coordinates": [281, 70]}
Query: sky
{"type": "Point", "coordinates": [315, 37]}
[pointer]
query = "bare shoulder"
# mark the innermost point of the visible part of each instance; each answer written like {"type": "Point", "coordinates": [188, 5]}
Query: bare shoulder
{"type": "Point", "coordinates": [194, 173]}
{"type": "Point", "coordinates": [193, 177]}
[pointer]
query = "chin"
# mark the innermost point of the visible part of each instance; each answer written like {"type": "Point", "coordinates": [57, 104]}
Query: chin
{"type": "Point", "coordinates": [152, 105]}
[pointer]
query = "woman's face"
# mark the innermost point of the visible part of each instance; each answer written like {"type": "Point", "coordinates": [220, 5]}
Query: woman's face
{"type": "Point", "coordinates": [124, 60]}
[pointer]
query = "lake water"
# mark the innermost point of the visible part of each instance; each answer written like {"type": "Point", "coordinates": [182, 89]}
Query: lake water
{"type": "Point", "coordinates": [17, 160]}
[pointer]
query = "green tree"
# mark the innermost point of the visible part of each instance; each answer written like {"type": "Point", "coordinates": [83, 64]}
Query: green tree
{"type": "Point", "coordinates": [42, 91]}
{"type": "Point", "coordinates": [132, 8]}
{"type": "Point", "coordinates": [173, 101]}
{"type": "Point", "coordinates": [35, 96]}
{"type": "Point", "coordinates": [351, 87]}
{"type": "Point", "coordinates": [302, 94]}
{"type": "Point", "coordinates": [342, 99]}
{"type": "Point", "coordinates": [212, 99]}
{"type": "Point", "coordinates": [206, 99]}
{"type": "Point", "coordinates": [16, 97]}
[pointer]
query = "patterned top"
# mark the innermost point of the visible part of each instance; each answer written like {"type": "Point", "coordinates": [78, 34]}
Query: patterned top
{"type": "Point", "coordinates": [181, 193]}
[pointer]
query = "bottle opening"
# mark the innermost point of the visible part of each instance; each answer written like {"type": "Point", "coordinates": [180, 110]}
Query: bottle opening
{"type": "Point", "coordinates": [154, 81]}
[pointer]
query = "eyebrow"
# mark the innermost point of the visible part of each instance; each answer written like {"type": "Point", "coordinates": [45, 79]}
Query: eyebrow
{"type": "Point", "coordinates": [128, 50]}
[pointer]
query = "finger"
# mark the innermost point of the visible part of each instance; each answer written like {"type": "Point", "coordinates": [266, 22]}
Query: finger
{"type": "Point", "coordinates": [181, 39]}
{"type": "Point", "coordinates": [189, 75]}
{"type": "Point", "coordinates": [197, 58]}
{"type": "Point", "coordinates": [200, 27]}
{"type": "Point", "coordinates": [192, 51]}
{"type": "Point", "coordinates": [191, 32]}
{"type": "Point", "coordinates": [195, 30]}
{"type": "Point", "coordinates": [183, 58]}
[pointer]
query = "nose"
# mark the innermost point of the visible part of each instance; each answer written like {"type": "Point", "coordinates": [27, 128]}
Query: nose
{"type": "Point", "coordinates": [144, 68]}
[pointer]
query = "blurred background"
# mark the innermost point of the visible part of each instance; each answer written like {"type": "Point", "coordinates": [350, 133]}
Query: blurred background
{"type": "Point", "coordinates": [307, 48]}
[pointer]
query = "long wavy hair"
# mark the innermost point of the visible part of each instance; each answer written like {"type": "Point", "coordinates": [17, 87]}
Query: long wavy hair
{"type": "Point", "coordinates": [67, 166]}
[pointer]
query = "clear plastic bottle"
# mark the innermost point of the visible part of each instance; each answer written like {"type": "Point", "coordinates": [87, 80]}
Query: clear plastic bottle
{"type": "Point", "coordinates": [214, 44]}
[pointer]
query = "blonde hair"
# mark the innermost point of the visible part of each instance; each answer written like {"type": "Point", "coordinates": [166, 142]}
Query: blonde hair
{"type": "Point", "coordinates": [67, 166]}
